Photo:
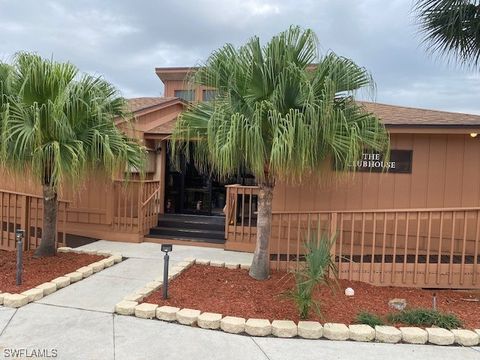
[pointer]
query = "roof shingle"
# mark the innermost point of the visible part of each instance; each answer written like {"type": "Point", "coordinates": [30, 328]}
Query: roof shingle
{"type": "Point", "coordinates": [393, 115]}
{"type": "Point", "coordinates": [142, 103]}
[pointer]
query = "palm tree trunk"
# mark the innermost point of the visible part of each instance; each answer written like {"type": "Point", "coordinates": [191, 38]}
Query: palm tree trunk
{"type": "Point", "coordinates": [261, 260]}
{"type": "Point", "coordinates": [49, 231]}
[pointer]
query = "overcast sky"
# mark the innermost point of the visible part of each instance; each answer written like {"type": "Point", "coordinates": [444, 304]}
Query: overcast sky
{"type": "Point", "coordinates": [125, 40]}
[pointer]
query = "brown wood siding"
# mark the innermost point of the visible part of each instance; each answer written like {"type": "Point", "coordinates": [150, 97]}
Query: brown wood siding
{"type": "Point", "coordinates": [445, 173]}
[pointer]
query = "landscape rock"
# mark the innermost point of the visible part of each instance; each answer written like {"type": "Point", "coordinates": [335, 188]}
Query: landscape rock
{"type": "Point", "coordinates": [74, 276]}
{"type": "Point", "coordinates": [14, 300]}
{"type": "Point", "coordinates": [284, 328]}
{"type": "Point", "coordinates": [187, 316]}
{"type": "Point", "coordinates": [258, 327]}
{"type": "Point", "coordinates": [126, 307]}
{"type": "Point", "coordinates": [167, 313]}
{"type": "Point", "coordinates": [310, 329]}
{"type": "Point", "coordinates": [245, 266]}
{"type": "Point", "coordinates": [104, 253]}
{"type": "Point", "coordinates": [439, 336]}
{"type": "Point", "coordinates": [414, 335]}
{"type": "Point", "coordinates": [465, 337]}
{"type": "Point", "coordinates": [349, 292]}
{"type": "Point", "coordinates": [64, 249]}
{"type": "Point", "coordinates": [117, 257]}
{"type": "Point", "coordinates": [361, 332]}
{"type": "Point", "coordinates": [146, 310]}
{"type": "Point", "coordinates": [61, 281]}
{"type": "Point", "coordinates": [33, 294]}
{"type": "Point", "coordinates": [232, 324]}
{"type": "Point", "coordinates": [333, 331]}
{"type": "Point", "coordinates": [108, 261]}
{"type": "Point", "coordinates": [202, 262]}
{"type": "Point", "coordinates": [86, 271]}
{"type": "Point", "coordinates": [232, 265]}
{"type": "Point", "coordinates": [217, 263]}
{"type": "Point", "coordinates": [89, 252]}
{"type": "Point", "coordinates": [397, 304]}
{"type": "Point", "coordinates": [209, 320]}
{"type": "Point", "coordinates": [1, 297]}
{"type": "Point", "coordinates": [47, 288]}
{"type": "Point", "coordinates": [97, 266]}
{"type": "Point", "coordinates": [387, 334]}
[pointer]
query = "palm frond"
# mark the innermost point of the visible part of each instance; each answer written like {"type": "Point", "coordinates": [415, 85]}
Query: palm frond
{"type": "Point", "coordinates": [59, 124]}
{"type": "Point", "coordinates": [451, 28]}
{"type": "Point", "coordinates": [275, 115]}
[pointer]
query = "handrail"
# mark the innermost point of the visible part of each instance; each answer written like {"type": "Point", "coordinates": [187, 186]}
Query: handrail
{"type": "Point", "coordinates": [380, 210]}
{"type": "Point", "coordinates": [30, 195]}
{"type": "Point", "coordinates": [135, 181]}
{"type": "Point", "coordinates": [151, 197]}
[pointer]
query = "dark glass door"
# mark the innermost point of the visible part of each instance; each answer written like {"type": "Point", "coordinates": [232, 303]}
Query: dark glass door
{"type": "Point", "coordinates": [188, 191]}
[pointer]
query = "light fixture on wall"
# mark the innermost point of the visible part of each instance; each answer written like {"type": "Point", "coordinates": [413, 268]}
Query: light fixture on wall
{"type": "Point", "coordinates": [473, 135]}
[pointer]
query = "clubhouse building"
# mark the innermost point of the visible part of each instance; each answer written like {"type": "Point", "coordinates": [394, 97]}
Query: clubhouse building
{"type": "Point", "coordinates": [415, 224]}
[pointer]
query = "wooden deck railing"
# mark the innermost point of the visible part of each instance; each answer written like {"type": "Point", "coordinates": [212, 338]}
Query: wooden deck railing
{"type": "Point", "coordinates": [241, 215]}
{"type": "Point", "coordinates": [136, 205]}
{"type": "Point", "coordinates": [433, 248]}
{"type": "Point", "coordinates": [25, 211]}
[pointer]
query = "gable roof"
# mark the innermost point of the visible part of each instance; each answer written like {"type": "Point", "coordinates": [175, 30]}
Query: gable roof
{"type": "Point", "coordinates": [142, 104]}
{"type": "Point", "coordinates": [402, 116]}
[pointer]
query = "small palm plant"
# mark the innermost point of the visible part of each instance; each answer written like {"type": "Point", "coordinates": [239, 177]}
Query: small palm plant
{"type": "Point", "coordinates": [319, 265]}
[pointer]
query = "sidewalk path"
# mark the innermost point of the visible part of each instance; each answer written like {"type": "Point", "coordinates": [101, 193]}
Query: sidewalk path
{"type": "Point", "coordinates": [78, 322]}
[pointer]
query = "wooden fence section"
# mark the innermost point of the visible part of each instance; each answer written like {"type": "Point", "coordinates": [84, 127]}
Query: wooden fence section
{"type": "Point", "coordinates": [136, 205]}
{"type": "Point", "coordinates": [431, 248]}
{"type": "Point", "coordinates": [241, 217]}
{"type": "Point", "coordinates": [127, 212]}
{"type": "Point", "coordinates": [25, 211]}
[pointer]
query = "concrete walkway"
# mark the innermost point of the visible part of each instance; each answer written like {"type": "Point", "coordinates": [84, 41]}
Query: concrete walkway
{"type": "Point", "coordinates": [78, 322]}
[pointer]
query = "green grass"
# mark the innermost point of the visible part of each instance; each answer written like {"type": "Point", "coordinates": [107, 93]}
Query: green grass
{"type": "Point", "coordinates": [367, 318]}
{"type": "Point", "coordinates": [425, 317]}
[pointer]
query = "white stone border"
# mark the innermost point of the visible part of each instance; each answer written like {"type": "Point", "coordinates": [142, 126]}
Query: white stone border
{"type": "Point", "coordinates": [38, 292]}
{"type": "Point", "coordinates": [282, 328]}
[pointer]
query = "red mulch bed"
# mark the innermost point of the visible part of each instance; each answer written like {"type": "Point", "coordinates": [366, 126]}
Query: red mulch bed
{"type": "Point", "coordinates": [38, 271]}
{"type": "Point", "coordinates": [235, 293]}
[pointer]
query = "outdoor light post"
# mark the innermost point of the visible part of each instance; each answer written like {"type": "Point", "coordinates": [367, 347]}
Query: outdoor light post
{"type": "Point", "coordinates": [19, 235]}
{"type": "Point", "coordinates": [166, 248]}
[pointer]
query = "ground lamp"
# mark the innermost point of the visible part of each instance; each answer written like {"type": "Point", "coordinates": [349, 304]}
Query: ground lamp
{"type": "Point", "coordinates": [166, 248]}
{"type": "Point", "coordinates": [19, 236]}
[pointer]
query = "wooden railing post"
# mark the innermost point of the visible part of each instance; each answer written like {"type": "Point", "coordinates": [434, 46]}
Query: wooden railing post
{"type": "Point", "coordinates": [227, 211]}
{"type": "Point", "coordinates": [332, 234]}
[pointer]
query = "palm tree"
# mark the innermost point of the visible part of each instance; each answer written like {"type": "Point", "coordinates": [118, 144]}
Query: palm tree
{"type": "Point", "coordinates": [57, 125]}
{"type": "Point", "coordinates": [278, 116]}
{"type": "Point", "coordinates": [451, 27]}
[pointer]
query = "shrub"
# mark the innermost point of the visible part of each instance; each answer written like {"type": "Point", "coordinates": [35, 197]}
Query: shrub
{"type": "Point", "coordinates": [315, 272]}
{"type": "Point", "coordinates": [425, 317]}
{"type": "Point", "coordinates": [367, 318]}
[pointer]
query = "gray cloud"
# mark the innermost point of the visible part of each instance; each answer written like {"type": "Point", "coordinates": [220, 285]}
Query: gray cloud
{"type": "Point", "coordinates": [125, 40]}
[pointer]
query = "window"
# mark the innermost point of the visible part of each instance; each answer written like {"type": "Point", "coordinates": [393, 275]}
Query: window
{"type": "Point", "coordinates": [187, 95]}
{"type": "Point", "coordinates": [209, 95]}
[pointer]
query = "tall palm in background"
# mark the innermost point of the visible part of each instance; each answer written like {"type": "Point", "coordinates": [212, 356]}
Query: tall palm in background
{"type": "Point", "coordinates": [451, 28]}
{"type": "Point", "coordinates": [278, 117]}
{"type": "Point", "coordinates": [57, 125]}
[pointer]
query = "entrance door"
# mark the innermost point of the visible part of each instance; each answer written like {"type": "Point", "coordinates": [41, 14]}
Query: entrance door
{"type": "Point", "coordinates": [188, 191]}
